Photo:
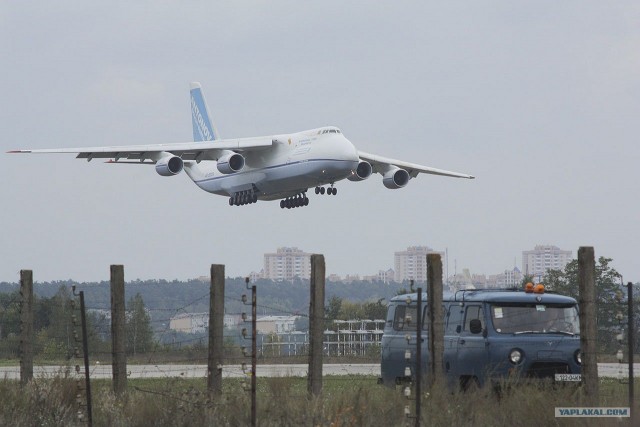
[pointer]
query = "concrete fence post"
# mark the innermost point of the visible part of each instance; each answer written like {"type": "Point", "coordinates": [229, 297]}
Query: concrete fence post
{"type": "Point", "coordinates": [316, 325]}
{"type": "Point", "coordinates": [435, 319]}
{"type": "Point", "coordinates": [216, 330]}
{"type": "Point", "coordinates": [26, 326]}
{"type": "Point", "coordinates": [118, 323]}
{"type": "Point", "coordinates": [588, 322]}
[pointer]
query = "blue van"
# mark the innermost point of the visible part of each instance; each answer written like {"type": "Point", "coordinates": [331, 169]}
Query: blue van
{"type": "Point", "coordinates": [489, 335]}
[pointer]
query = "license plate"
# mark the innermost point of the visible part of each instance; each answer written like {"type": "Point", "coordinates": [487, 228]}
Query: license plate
{"type": "Point", "coordinates": [568, 377]}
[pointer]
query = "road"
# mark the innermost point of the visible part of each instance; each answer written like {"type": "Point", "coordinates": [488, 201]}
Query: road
{"type": "Point", "coordinates": [199, 371]}
{"type": "Point", "coordinates": [612, 370]}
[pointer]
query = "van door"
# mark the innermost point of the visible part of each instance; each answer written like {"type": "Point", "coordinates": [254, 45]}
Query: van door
{"type": "Point", "coordinates": [473, 351]}
{"type": "Point", "coordinates": [453, 327]}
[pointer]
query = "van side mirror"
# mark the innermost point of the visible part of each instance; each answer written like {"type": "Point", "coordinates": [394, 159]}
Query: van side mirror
{"type": "Point", "coordinates": [475, 326]}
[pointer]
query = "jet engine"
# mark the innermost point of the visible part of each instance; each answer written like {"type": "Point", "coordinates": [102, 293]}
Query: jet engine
{"type": "Point", "coordinates": [362, 172]}
{"type": "Point", "coordinates": [230, 163]}
{"type": "Point", "coordinates": [396, 178]}
{"type": "Point", "coordinates": [169, 165]}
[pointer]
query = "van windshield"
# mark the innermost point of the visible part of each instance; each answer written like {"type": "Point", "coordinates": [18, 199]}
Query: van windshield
{"type": "Point", "coordinates": [512, 318]}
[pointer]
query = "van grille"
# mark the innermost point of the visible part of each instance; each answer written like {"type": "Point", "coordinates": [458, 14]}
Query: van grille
{"type": "Point", "coordinates": [547, 369]}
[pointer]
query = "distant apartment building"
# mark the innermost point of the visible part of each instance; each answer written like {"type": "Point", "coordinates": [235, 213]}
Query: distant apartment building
{"type": "Point", "coordinates": [536, 262]}
{"type": "Point", "coordinates": [384, 276]}
{"type": "Point", "coordinates": [286, 264]}
{"type": "Point", "coordinates": [412, 263]}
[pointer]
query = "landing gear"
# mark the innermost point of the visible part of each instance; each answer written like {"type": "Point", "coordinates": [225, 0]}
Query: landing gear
{"type": "Point", "coordinates": [296, 201]}
{"type": "Point", "coordinates": [246, 197]}
{"type": "Point", "coordinates": [330, 191]}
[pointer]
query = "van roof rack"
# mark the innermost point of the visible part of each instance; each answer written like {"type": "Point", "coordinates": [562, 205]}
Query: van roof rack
{"type": "Point", "coordinates": [465, 291]}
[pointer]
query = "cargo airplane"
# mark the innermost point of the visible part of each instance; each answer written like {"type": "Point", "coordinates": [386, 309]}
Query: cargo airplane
{"type": "Point", "coordinates": [277, 167]}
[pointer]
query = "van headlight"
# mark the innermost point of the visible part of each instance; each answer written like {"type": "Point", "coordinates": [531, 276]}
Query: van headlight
{"type": "Point", "coordinates": [578, 357]}
{"type": "Point", "coordinates": [515, 356]}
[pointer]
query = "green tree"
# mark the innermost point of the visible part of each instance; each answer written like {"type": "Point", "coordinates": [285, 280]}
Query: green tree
{"type": "Point", "coordinates": [9, 325]}
{"type": "Point", "coordinates": [332, 311]}
{"type": "Point", "coordinates": [138, 327]}
{"type": "Point", "coordinates": [607, 295]}
{"type": "Point", "coordinates": [54, 325]}
{"type": "Point", "coordinates": [351, 311]}
{"type": "Point", "coordinates": [375, 310]}
{"type": "Point", "coordinates": [9, 314]}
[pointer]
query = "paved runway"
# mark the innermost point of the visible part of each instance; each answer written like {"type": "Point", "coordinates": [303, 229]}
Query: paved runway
{"type": "Point", "coordinates": [199, 371]}
{"type": "Point", "coordinates": [612, 370]}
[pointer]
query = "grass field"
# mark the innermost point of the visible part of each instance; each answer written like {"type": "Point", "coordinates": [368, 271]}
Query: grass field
{"type": "Point", "coordinates": [346, 401]}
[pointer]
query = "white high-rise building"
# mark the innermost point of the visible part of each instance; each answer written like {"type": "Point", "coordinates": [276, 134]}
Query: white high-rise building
{"type": "Point", "coordinates": [536, 262]}
{"type": "Point", "coordinates": [286, 264]}
{"type": "Point", "coordinates": [412, 263]}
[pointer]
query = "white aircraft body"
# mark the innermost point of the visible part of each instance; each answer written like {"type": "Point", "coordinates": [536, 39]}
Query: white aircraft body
{"type": "Point", "coordinates": [262, 168]}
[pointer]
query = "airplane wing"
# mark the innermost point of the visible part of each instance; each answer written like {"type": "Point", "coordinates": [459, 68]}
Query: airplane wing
{"type": "Point", "coordinates": [202, 150]}
{"type": "Point", "coordinates": [381, 165]}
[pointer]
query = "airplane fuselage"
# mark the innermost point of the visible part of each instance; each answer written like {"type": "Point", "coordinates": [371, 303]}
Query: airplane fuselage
{"type": "Point", "coordinates": [297, 162]}
{"type": "Point", "coordinates": [278, 167]}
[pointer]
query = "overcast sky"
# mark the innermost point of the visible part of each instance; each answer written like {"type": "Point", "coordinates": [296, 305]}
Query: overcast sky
{"type": "Point", "coordinates": [539, 100]}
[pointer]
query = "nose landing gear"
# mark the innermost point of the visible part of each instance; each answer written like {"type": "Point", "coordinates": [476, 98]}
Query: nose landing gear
{"type": "Point", "coordinates": [332, 191]}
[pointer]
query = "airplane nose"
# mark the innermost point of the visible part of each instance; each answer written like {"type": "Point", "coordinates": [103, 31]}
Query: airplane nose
{"type": "Point", "coordinates": [351, 153]}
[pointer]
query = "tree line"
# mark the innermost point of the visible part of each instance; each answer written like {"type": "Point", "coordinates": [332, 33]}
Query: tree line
{"type": "Point", "coordinates": [53, 308]}
{"type": "Point", "coordinates": [56, 331]}
{"type": "Point", "coordinates": [611, 294]}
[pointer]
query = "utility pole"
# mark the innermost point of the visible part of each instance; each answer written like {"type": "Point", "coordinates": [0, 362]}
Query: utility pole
{"type": "Point", "coordinates": [254, 347]}
{"type": "Point", "coordinates": [85, 351]}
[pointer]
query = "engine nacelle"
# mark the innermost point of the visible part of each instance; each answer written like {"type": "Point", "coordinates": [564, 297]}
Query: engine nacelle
{"type": "Point", "coordinates": [169, 166]}
{"type": "Point", "coordinates": [362, 172]}
{"type": "Point", "coordinates": [396, 178]}
{"type": "Point", "coordinates": [230, 163]}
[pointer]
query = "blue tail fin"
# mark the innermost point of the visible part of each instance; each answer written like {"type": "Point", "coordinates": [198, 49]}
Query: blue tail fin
{"type": "Point", "coordinates": [203, 129]}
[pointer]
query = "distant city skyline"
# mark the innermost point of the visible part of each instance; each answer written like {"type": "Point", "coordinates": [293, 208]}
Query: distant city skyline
{"type": "Point", "coordinates": [287, 263]}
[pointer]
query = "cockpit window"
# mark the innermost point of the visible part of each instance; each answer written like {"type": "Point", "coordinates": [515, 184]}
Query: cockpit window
{"type": "Point", "coordinates": [329, 131]}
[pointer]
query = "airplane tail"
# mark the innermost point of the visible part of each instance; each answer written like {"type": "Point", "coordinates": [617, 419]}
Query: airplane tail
{"type": "Point", "coordinates": [203, 129]}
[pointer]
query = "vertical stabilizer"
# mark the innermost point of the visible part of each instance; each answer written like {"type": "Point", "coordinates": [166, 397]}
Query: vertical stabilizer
{"type": "Point", "coordinates": [203, 129]}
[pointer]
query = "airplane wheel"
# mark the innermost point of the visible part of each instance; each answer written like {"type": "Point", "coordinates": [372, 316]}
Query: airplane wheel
{"type": "Point", "coordinates": [335, 191]}
{"type": "Point", "coordinates": [281, 204]}
{"type": "Point", "coordinates": [321, 190]}
{"type": "Point", "coordinates": [306, 201]}
{"type": "Point", "coordinates": [230, 201]}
